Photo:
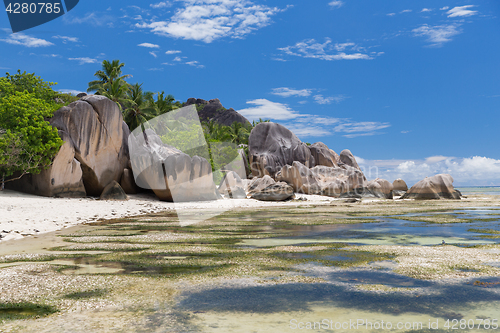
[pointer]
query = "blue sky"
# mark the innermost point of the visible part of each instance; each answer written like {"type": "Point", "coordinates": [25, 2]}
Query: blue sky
{"type": "Point", "coordinates": [410, 87]}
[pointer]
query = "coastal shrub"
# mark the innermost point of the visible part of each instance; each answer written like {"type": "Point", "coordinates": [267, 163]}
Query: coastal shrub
{"type": "Point", "coordinates": [27, 141]}
{"type": "Point", "coordinates": [33, 84]}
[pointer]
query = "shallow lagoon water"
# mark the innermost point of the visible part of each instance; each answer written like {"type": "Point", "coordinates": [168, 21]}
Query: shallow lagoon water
{"type": "Point", "coordinates": [338, 295]}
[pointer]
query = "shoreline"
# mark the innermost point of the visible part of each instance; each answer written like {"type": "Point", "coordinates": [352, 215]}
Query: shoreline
{"type": "Point", "coordinates": [23, 215]}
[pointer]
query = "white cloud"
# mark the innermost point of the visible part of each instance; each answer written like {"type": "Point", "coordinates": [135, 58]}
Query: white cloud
{"type": "Point", "coordinates": [328, 100]}
{"type": "Point", "coordinates": [444, 8]}
{"type": "Point", "coordinates": [426, 10]}
{"type": "Point", "coordinates": [461, 11]}
{"type": "Point", "coordinates": [66, 39]}
{"type": "Point", "coordinates": [307, 130]}
{"type": "Point", "coordinates": [177, 59]}
{"type": "Point", "coordinates": [266, 109]}
{"type": "Point", "coordinates": [439, 34]}
{"type": "Point", "coordinates": [325, 51]}
{"type": "Point", "coordinates": [95, 19]}
{"type": "Point", "coordinates": [172, 52]}
{"type": "Point", "coordinates": [405, 11]}
{"type": "Point", "coordinates": [476, 170]}
{"type": "Point", "coordinates": [85, 60]}
{"type": "Point", "coordinates": [336, 4]}
{"type": "Point", "coordinates": [208, 20]}
{"type": "Point", "coordinates": [70, 91]}
{"type": "Point", "coordinates": [25, 40]}
{"type": "Point", "coordinates": [308, 124]}
{"type": "Point", "coordinates": [153, 54]}
{"type": "Point", "coordinates": [53, 55]}
{"type": "Point", "coordinates": [391, 14]}
{"type": "Point", "coordinates": [149, 45]}
{"type": "Point", "coordinates": [288, 92]}
{"type": "Point", "coordinates": [362, 128]}
{"type": "Point", "coordinates": [195, 64]}
{"type": "Point", "coordinates": [163, 4]}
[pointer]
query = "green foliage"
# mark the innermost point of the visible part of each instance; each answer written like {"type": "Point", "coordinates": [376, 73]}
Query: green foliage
{"type": "Point", "coordinates": [137, 106]}
{"type": "Point", "coordinates": [66, 98]}
{"type": "Point", "coordinates": [32, 84]}
{"type": "Point", "coordinates": [27, 140]}
{"type": "Point", "coordinates": [255, 123]}
{"type": "Point", "coordinates": [212, 142]}
{"type": "Point", "coordinates": [110, 72]}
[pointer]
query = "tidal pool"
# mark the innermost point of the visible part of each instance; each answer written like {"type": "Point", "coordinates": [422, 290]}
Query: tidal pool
{"type": "Point", "coordinates": [275, 270]}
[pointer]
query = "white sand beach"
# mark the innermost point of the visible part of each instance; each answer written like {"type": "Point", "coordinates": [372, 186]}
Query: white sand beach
{"type": "Point", "coordinates": [22, 215]}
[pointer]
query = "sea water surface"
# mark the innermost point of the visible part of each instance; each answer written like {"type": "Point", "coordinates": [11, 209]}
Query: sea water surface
{"type": "Point", "coordinates": [479, 190]}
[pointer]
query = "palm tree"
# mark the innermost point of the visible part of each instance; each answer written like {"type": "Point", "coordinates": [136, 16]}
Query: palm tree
{"type": "Point", "coordinates": [215, 131]}
{"type": "Point", "coordinates": [110, 72]}
{"type": "Point", "coordinates": [164, 103]}
{"type": "Point", "coordinates": [117, 91]}
{"type": "Point", "coordinates": [237, 133]}
{"type": "Point", "coordinates": [141, 107]}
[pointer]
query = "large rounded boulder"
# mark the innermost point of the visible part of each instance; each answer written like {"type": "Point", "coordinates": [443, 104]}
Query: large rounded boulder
{"type": "Point", "coordinates": [272, 146]}
{"type": "Point", "coordinates": [173, 175]}
{"type": "Point", "coordinates": [435, 187]}
{"type": "Point", "coordinates": [93, 155]}
{"type": "Point", "coordinates": [324, 155]}
{"type": "Point", "coordinates": [322, 180]}
{"type": "Point", "coordinates": [380, 188]}
{"type": "Point", "coordinates": [400, 187]}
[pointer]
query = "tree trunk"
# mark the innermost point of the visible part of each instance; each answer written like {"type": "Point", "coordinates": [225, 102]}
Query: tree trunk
{"type": "Point", "coordinates": [3, 183]}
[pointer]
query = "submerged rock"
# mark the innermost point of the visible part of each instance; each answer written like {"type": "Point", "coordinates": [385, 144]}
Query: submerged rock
{"type": "Point", "coordinates": [435, 187]}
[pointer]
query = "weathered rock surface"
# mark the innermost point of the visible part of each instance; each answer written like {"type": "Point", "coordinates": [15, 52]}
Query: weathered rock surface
{"type": "Point", "coordinates": [213, 110]}
{"type": "Point", "coordinates": [171, 174]}
{"type": "Point", "coordinates": [113, 191]}
{"type": "Point", "coordinates": [324, 155]}
{"type": "Point", "coordinates": [322, 180]}
{"type": "Point", "coordinates": [275, 192]}
{"type": "Point", "coordinates": [231, 186]}
{"type": "Point", "coordinates": [94, 152]}
{"type": "Point", "coordinates": [244, 157]}
{"type": "Point", "coordinates": [94, 125]}
{"type": "Point", "coordinates": [380, 188]}
{"type": "Point", "coordinates": [435, 187]}
{"type": "Point", "coordinates": [400, 187]}
{"type": "Point", "coordinates": [272, 146]}
{"type": "Point", "coordinates": [258, 184]}
{"type": "Point", "coordinates": [127, 182]}
{"type": "Point", "coordinates": [63, 179]}
{"type": "Point", "coordinates": [347, 158]}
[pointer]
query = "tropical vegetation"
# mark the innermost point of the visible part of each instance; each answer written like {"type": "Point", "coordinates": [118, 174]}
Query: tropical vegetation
{"type": "Point", "coordinates": [28, 143]}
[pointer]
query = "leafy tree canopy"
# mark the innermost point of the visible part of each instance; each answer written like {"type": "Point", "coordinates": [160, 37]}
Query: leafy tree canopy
{"type": "Point", "coordinates": [27, 141]}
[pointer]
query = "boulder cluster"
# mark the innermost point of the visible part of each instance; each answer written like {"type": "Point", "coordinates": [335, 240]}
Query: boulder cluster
{"type": "Point", "coordinates": [101, 158]}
